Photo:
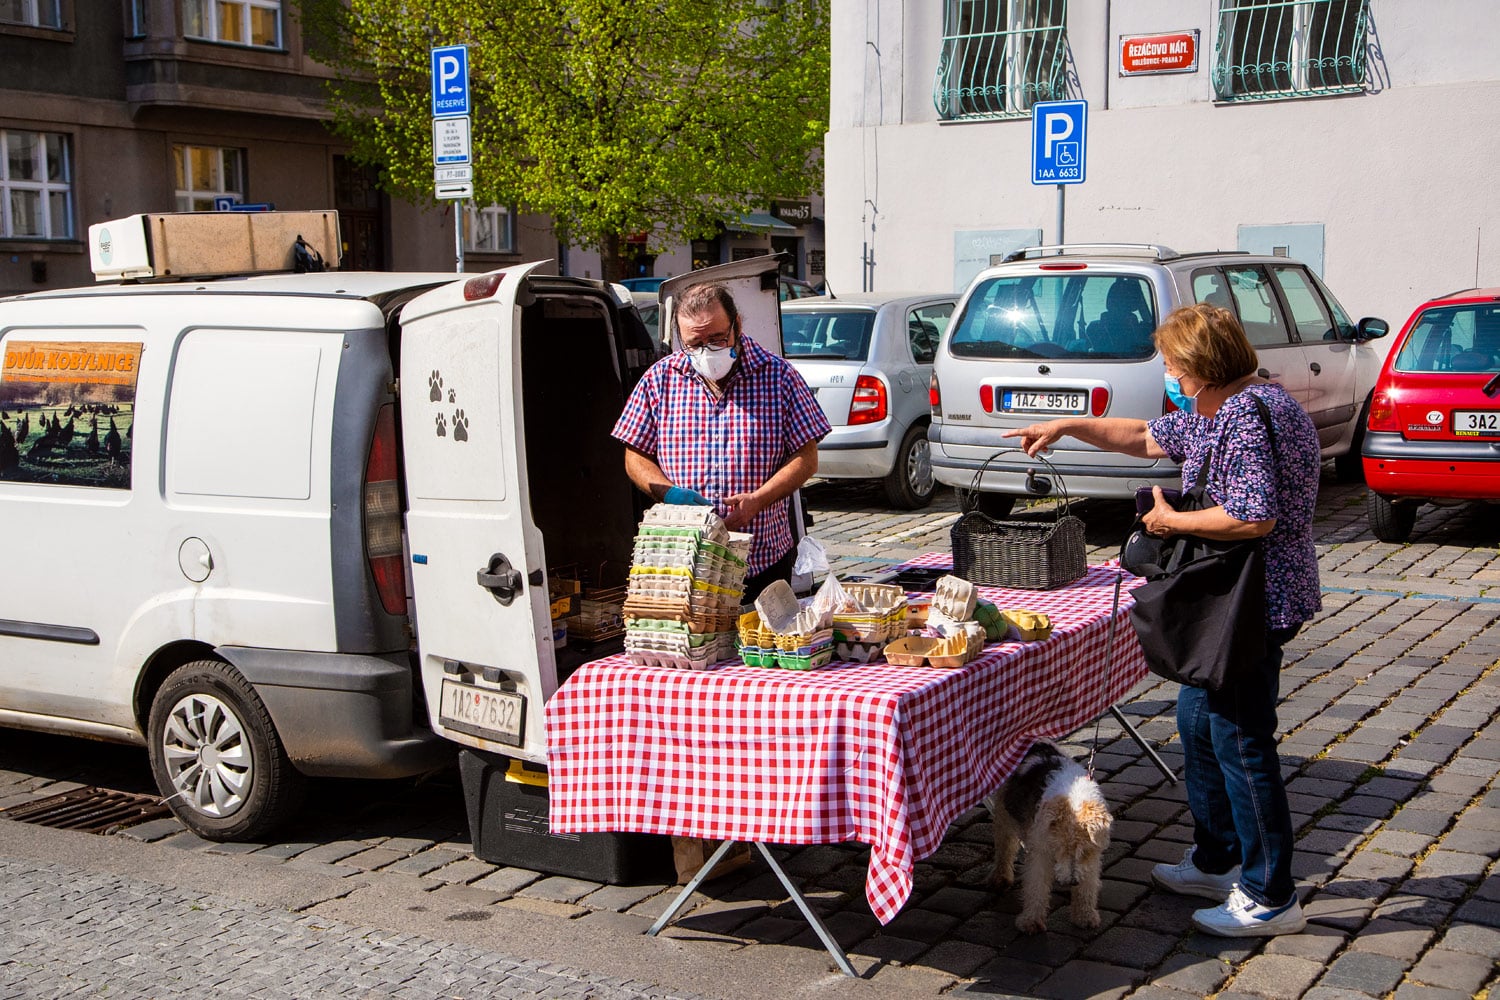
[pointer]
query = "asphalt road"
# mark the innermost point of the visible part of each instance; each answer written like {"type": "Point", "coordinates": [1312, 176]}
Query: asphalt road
{"type": "Point", "coordinates": [1391, 749]}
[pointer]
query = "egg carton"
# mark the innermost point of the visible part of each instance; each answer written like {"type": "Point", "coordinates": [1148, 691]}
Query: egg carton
{"type": "Point", "coordinates": [871, 627]}
{"type": "Point", "coordinates": [920, 650]}
{"type": "Point", "coordinates": [954, 597]}
{"type": "Point", "coordinates": [858, 652]}
{"type": "Point", "coordinates": [694, 516]}
{"type": "Point", "coordinates": [876, 598]}
{"type": "Point", "coordinates": [754, 633]}
{"type": "Point", "coordinates": [658, 658]}
{"type": "Point", "coordinates": [792, 641]}
{"type": "Point", "coordinates": [818, 657]}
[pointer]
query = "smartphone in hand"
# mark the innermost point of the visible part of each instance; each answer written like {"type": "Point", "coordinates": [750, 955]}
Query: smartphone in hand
{"type": "Point", "coordinates": [1145, 500]}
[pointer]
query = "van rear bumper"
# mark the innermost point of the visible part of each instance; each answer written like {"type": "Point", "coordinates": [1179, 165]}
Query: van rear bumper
{"type": "Point", "coordinates": [343, 715]}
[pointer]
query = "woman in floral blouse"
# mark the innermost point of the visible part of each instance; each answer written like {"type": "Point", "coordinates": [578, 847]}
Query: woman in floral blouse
{"type": "Point", "coordinates": [1264, 486]}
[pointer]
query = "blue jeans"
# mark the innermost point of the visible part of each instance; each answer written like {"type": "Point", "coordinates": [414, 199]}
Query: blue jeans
{"type": "Point", "coordinates": [1234, 786]}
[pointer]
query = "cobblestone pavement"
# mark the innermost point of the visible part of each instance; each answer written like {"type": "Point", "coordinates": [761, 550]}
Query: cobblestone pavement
{"type": "Point", "coordinates": [1391, 749]}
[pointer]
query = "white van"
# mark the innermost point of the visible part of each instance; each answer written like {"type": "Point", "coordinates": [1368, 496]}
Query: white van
{"type": "Point", "coordinates": [300, 524]}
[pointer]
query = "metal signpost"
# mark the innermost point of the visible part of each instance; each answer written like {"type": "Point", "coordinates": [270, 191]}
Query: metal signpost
{"type": "Point", "coordinates": [452, 168]}
{"type": "Point", "coordinates": [1059, 147]}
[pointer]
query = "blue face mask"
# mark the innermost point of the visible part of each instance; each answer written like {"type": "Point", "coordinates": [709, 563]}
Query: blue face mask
{"type": "Point", "coordinates": [1184, 402]}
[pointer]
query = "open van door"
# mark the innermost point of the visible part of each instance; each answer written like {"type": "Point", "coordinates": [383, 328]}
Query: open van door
{"type": "Point", "coordinates": [480, 600]}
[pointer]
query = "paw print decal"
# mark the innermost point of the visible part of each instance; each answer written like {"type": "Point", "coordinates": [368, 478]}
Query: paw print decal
{"type": "Point", "coordinates": [460, 426]}
{"type": "Point", "coordinates": [442, 426]}
{"type": "Point", "coordinates": [452, 397]}
{"type": "Point", "coordinates": [435, 385]}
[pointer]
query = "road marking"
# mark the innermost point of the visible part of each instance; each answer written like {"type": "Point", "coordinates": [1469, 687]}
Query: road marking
{"type": "Point", "coordinates": [921, 529]}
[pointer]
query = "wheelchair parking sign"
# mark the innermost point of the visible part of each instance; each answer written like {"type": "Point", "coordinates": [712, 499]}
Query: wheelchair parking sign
{"type": "Point", "coordinates": [1059, 142]}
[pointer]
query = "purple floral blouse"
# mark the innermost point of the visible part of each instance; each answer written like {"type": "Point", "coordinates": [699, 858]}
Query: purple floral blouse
{"type": "Point", "coordinates": [1254, 483]}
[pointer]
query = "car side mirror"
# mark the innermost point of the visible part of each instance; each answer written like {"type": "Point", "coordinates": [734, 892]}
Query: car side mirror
{"type": "Point", "coordinates": [1371, 328]}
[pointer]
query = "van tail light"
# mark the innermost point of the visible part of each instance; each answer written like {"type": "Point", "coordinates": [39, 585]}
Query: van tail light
{"type": "Point", "coordinates": [483, 286]}
{"type": "Point", "coordinates": [1098, 400]}
{"type": "Point", "coordinates": [869, 403]}
{"type": "Point", "coordinates": [987, 398]}
{"type": "Point", "coordinates": [1382, 412]}
{"type": "Point", "coordinates": [383, 514]}
{"type": "Point", "coordinates": [935, 397]}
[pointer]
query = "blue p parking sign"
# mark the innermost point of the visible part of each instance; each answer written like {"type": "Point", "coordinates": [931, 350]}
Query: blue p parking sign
{"type": "Point", "coordinates": [450, 81]}
{"type": "Point", "coordinates": [1059, 142]}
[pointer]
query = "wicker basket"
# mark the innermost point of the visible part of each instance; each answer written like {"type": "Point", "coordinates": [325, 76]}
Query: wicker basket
{"type": "Point", "coordinates": [1026, 555]}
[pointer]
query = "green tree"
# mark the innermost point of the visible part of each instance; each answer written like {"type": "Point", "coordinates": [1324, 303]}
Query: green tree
{"type": "Point", "coordinates": [613, 117]}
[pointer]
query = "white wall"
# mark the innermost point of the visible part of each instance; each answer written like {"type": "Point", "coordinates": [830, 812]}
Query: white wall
{"type": "Point", "coordinates": [1397, 176]}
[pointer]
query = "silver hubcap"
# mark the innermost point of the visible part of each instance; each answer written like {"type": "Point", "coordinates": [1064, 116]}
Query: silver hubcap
{"type": "Point", "coordinates": [207, 755]}
{"type": "Point", "coordinates": [919, 468]}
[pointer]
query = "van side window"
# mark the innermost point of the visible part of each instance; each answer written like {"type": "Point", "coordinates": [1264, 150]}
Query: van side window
{"type": "Point", "coordinates": [1306, 307]}
{"type": "Point", "coordinates": [1255, 301]}
{"type": "Point", "coordinates": [67, 411]}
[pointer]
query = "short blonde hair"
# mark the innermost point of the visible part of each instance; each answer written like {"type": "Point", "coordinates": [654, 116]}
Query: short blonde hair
{"type": "Point", "coordinates": [1207, 343]}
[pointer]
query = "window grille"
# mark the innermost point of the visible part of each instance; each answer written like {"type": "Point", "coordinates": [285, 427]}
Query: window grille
{"type": "Point", "coordinates": [239, 22]}
{"type": "Point", "coordinates": [1000, 57]}
{"type": "Point", "coordinates": [37, 13]}
{"type": "Point", "coordinates": [489, 229]}
{"type": "Point", "coordinates": [36, 191]}
{"type": "Point", "coordinates": [1270, 49]}
{"type": "Point", "coordinates": [205, 173]}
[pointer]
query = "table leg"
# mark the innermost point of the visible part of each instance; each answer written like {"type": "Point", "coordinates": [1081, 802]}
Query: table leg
{"type": "Point", "coordinates": [1141, 742]}
{"type": "Point", "coordinates": [819, 928]}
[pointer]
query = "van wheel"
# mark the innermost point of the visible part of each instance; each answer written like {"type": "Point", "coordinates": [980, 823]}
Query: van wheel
{"type": "Point", "coordinates": [996, 505]}
{"type": "Point", "coordinates": [1391, 520]}
{"type": "Point", "coordinates": [216, 755]}
{"type": "Point", "coordinates": [1350, 466]}
{"type": "Point", "coordinates": [909, 484]}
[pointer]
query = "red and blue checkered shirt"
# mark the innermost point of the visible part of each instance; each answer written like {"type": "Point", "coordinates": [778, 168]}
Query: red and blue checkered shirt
{"type": "Point", "coordinates": [721, 447]}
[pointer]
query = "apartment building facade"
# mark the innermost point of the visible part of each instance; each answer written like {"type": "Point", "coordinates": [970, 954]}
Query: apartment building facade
{"type": "Point", "coordinates": [1350, 134]}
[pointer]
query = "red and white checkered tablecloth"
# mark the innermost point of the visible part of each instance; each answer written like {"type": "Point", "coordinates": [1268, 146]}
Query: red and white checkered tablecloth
{"type": "Point", "coordinates": [888, 756]}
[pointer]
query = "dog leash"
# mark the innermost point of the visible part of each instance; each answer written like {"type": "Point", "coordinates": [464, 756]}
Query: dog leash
{"type": "Point", "coordinates": [1109, 658]}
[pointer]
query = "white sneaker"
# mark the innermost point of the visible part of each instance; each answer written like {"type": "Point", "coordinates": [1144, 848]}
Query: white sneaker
{"type": "Point", "coordinates": [1185, 879]}
{"type": "Point", "coordinates": [1241, 916]}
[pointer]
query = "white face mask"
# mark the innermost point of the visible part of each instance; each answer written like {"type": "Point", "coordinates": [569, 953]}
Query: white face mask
{"type": "Point", "coordinates": [713, 363]}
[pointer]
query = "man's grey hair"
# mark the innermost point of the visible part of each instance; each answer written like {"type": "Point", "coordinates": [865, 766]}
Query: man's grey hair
{"type": "Point", "coordinates": [700, 299]}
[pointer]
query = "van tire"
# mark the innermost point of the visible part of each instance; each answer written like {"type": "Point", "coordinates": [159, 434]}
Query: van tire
{"type": "Point", "coordinates": [909, 485]}
{"type": "Point", "coordinates": [206, 706]}
{"type": "Point", "coordinates": [996, 505]}
{"type": "Point", "coordinates": [1391, 520]}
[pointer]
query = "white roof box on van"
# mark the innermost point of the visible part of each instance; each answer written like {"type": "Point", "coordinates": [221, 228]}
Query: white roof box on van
{"type": "Point", "coordinates": [208, 244]}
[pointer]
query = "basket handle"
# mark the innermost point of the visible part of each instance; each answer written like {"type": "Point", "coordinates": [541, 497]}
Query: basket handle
{"type": "Point", "coordinates": [973, 503]}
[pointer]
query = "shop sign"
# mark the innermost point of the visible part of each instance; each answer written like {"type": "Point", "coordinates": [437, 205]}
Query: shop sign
{"type": "Point", "coordinates": [796, 212]}
{"type": "Point", "coordinates": [1173, 52]}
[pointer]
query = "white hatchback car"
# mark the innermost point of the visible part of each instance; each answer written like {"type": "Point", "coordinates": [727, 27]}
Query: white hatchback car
{"type": "Point", "coordinates": [1059, 331]}
{"type": "Point", "coordinates": [868, 359]}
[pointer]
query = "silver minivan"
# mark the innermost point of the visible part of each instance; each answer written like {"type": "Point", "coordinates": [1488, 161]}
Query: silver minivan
{"type": "Point", "coordinates": [868, 359]}
{"type": "Point", "coordinates": [1066, 331]}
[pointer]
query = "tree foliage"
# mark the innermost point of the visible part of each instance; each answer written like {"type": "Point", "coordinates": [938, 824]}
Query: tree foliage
{"type": "Point", "coordinates": [613, 117]}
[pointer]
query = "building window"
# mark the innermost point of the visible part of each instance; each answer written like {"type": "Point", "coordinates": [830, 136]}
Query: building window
{"type": "Point", "coordinates": [135, 18]}
{"type": "Point", "coordinates": [1000, 57]}
{"type": "Point", "coordinates": [1269, 49]}
{"type": "Point", "coordinates": [239, 22]}
{"type": "Point", "coordinates": [36, 196]}
{"type": "Point", "coordinates": [205, 173]}
{"type": "Point", "coordinates": [37, 13]}
{"type": "Point", "coordinates": [489, 230]}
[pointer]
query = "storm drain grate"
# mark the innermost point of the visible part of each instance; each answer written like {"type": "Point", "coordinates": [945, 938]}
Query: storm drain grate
{"type": "Point", "coordinates": [92, 810]}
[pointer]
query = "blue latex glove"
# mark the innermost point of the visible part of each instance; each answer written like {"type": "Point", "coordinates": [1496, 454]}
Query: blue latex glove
{"type": "Point", "coordinates": [677, 494]}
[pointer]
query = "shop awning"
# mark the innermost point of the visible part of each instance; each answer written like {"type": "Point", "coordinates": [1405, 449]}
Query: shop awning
{"type": "Point", "coordinates": [757, 222]}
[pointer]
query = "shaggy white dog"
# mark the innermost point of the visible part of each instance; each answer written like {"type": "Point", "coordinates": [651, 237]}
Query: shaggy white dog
{"type": "Point", "coordinates": [1055, 809]}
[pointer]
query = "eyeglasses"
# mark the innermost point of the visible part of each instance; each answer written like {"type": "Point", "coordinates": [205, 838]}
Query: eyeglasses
{"type": "Point", "coordinates": [716, 339]}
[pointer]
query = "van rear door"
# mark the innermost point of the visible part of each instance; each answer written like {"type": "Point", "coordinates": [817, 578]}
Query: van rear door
{"type": "Point", "coordinates": [481, 608]}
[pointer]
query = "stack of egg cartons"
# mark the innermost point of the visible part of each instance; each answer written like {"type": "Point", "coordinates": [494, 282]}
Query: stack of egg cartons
{"type": "Point", "coordinates": [687, 576]}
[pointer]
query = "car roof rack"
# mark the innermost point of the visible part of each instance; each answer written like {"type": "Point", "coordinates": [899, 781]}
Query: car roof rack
{"type": "Point", "coordinates": [1153, 250]}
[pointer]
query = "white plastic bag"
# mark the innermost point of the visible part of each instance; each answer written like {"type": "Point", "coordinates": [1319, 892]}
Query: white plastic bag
{"type": "Point", "coordinates": [812, 559]}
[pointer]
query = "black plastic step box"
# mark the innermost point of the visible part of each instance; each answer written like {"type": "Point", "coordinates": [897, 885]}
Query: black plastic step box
{"type": "Point", "coordinates": [507, 805]}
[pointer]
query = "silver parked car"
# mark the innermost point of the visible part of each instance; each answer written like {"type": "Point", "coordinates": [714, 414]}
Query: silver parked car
{"type": "Point", "coordinates": [1066, 331]}
{"type": "Point", "coordinates": [868, 359]}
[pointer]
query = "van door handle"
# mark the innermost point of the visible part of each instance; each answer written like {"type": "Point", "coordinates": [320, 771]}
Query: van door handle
{"type": "Point", "coordinates": [1317, 369]}
{"type": "Point", "coordinates": [500, 579]}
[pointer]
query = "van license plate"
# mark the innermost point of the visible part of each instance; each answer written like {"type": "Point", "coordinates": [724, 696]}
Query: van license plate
{"type": "Point", "coordinates": [482, 712]}
{"type": "Point", "coordinates": [1477, 423]}
{"type": "Point", "coordinates": [1017, 401]}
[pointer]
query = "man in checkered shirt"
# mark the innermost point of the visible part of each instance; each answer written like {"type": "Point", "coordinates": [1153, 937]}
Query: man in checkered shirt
{"type": "Point", "coordinates": [725, 422]}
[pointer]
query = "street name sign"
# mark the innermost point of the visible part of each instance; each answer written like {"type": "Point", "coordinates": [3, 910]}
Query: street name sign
{"type": "Point", "coordinates": [1059, 147]}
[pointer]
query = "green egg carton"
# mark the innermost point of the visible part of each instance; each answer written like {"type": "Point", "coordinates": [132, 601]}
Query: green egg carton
{"type": "Point", "coordinates": [791, 661]}
{"type": "Point", "coordinates": [754, 656]}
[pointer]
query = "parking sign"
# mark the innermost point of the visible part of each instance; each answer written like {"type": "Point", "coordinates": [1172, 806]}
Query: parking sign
{"type": "Point", "coordinates": [450, 81]}
{"type": "Point", "coordinates": [1059, 142]}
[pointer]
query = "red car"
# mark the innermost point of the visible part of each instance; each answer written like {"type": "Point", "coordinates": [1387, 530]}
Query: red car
{"type": "Point", "coordinates": [1434, 428]}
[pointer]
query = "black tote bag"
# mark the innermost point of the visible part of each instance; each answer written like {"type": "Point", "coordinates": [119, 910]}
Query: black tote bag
{"type": "Point", "coordinates": [1201, 614]}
